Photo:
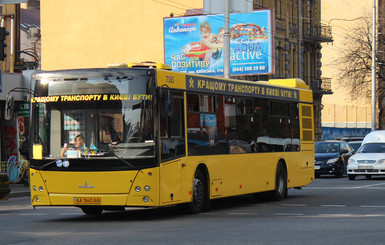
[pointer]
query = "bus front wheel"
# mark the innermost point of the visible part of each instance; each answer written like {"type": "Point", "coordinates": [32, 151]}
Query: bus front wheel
{"type": "Point", "coordinates": [199, 193]}
{"type": "Point", "coordinates": [92, 210]}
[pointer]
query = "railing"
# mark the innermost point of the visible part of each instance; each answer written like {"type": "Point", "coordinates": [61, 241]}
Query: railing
{"type": "Point", "coordinates": [326, 32]}
{"type": "Point", "coordinates": [320, 33]}
{"type": "Point", "coordinates": [320, 84]}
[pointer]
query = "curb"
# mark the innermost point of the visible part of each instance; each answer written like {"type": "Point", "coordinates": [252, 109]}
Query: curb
{"type": "Point", "coordinates": [18, 194]}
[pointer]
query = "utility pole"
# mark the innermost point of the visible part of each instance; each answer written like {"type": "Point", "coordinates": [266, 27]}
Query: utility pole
{"type": "Point", "coordinates": [226, 51]}
{"type": "Point", "coordinates": [10, 20]}
{"type": "Point", "coordinates": [374, 42]}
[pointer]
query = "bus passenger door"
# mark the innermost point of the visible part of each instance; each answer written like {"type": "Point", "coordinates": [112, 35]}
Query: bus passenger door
{"type": "Point", "coordinates": [170, 181]}
{"type": "Point", "coordinates": [172, 148]}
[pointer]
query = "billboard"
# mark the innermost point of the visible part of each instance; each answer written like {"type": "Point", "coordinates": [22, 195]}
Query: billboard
{"type": "Point", "coordinates": [194, 44]}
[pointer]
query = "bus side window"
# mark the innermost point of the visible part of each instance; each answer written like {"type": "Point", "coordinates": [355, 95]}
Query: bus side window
{"type": "Point", "coordinates": [172, 129]}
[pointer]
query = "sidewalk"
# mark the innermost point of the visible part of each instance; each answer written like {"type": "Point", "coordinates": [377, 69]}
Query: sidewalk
{"type": "Point", "coordinates": [18, 190]}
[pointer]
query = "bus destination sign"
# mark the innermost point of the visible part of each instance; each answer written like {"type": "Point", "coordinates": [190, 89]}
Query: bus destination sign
{"type": "Point", "coordinates": [212, 85]}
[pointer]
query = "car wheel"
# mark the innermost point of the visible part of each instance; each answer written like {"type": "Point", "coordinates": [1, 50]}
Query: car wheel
{"type": "Point", "coordinates": [351, 176]}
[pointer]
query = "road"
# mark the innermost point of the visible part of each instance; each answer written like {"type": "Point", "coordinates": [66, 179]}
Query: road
{"type": "Point", "coordinates": [328, 211]}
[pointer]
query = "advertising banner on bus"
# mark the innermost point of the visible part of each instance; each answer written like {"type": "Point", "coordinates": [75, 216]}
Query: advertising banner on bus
{"type": "Point", "coordinates": [194, 44]}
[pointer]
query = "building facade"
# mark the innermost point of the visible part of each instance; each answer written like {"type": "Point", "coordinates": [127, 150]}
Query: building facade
{"type": "Point", "coordinates": [93, 34]}
{"type": "Point", "coordinates": [344, 113]}
{"type": "Point", "coordinates": [89, 34]}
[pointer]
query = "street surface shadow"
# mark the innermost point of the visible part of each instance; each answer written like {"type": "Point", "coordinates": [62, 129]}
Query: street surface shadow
{"type": "Point", "coordinates": [171, 212]}
{"type": "Point", "coordinates": [359, 177]}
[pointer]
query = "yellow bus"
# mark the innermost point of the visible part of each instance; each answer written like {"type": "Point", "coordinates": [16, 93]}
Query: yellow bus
{"type": "Point", "coordinates": [111, 138]}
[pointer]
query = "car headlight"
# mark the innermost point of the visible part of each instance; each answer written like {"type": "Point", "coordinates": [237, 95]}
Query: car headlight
{"type": "Point", "coordinates": [333, 160]}
{"type": "Point", "coordinates": [381, 161]}
{"type": "Point", "coordinates": [351, 161]}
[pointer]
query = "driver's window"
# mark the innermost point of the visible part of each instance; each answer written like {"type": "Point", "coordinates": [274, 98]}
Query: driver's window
{"type": "Point", "coordinates": [110, 128]}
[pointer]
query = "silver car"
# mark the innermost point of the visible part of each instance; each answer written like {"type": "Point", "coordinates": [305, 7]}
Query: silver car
{"type": "Point", "coordinates": [370, 158]}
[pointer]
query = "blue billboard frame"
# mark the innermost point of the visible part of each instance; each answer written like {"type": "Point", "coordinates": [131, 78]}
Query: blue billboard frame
{"type": "Point", "coordinates": [194, 44]}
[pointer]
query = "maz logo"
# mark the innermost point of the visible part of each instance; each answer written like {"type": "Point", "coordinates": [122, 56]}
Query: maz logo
{"type": "Point", "coordinates": [86, 185]}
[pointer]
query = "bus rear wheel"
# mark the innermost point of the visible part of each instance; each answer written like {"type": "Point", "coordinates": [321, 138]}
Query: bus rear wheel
{"type": "Point", "coordinates": [280, 191]}
{"type": "Point", "coordinates": [92, 210]}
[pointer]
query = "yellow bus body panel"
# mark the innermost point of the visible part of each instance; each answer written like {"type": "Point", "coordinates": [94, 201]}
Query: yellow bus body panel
{"type": "Point", "coordinates": [171, 79]}
{"type": "Point", "coordinates": [306, 96]}
{"type": "Point", "coordinates": [114, 187]}
{"type": "Point", "coordinates": [289, 82]}
{"type": "Point", "coordinates": [231, 175]}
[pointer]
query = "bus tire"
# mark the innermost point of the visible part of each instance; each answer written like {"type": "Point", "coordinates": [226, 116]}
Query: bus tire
{"type": "Point", "coordinates": [199, 193]}
{"type": "Point", "coordinates": [280, 191]}
{"type": "Point", "coordinates": [92, 210]}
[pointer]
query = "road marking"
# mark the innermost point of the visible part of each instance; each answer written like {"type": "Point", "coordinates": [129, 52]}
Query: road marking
{"type": "Point", "coordinates": [242, 213]}
{"type": "Point", "coordinates": [287, 214]}
{"type": "Point", "coordinates": [335, 215]}
{"type": "Point", "coordinates": [346, 187]}
{"type": "Point", "coordinates": [294, 205]}
{"type": "Point", "coordinates": [334, 205]}
{"type": "Point", "coordinates": [79, 213]}
{"type": "Point", "coordinates": [371, 206]}
{"type": "Point", "coordinates": [33, 214]}
{"type": "Point", "coordinates": [365, 186]}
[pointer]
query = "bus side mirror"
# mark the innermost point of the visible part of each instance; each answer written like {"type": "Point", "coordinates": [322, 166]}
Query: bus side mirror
{"type": "Point", "coordinates": [9, 106]}
{"type": "Point", "coordinates": [166, 103]}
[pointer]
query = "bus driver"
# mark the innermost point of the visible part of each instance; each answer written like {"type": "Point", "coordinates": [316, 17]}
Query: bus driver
{"type": "Point", "coordinates": [79, 143]}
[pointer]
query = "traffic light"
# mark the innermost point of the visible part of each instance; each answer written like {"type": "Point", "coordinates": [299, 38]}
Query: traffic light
{"type": "Point", "coordinates": [3, 45]}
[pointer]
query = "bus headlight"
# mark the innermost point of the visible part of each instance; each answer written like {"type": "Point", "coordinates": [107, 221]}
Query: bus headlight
{"type": "Point", "coordinates": [138, 189]}
{"type": "Point", "coordinates": [41, 189]}
{"type": "Point", "coordinates": [34, 188]}
{"type": "Point", "coordinates": [66, 163]}
{"type": "Point", "coordinates": [145, 199]}
{"type": "Point", "coordinates": [147, 188]}
{"type": "Point", "coordinates": [59, 163]}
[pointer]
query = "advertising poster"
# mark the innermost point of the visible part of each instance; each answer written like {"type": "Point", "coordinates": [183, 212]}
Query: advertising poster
{"type": "Point", "coordinates": [194, 44]}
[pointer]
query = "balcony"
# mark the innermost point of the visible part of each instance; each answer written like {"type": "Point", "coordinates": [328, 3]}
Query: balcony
{"type": "Point", "coordinates": [321, 85]}
{"type": "Point", "coordinates": [320, 33]}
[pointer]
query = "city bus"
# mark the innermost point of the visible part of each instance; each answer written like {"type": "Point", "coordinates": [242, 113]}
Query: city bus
{"type": "Point", "coordinates": [153, 137]}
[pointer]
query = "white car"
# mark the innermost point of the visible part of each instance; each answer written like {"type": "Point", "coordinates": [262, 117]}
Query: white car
{"type": "Point", "coordinates": [370, 158]}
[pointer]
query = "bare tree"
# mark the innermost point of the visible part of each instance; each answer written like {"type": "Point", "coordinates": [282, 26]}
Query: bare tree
{"type": "Point", "coordinates": [355, 62]}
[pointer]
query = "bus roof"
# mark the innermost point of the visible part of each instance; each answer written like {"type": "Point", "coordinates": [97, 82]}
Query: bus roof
{"type": "Point", "coordinates": [84, 73]}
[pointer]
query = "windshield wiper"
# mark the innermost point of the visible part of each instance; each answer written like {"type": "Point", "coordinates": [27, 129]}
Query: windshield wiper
{"type": "Point", "coordinates": [112, 147]}
{"type": "Point", "coordinates": [47, 164]}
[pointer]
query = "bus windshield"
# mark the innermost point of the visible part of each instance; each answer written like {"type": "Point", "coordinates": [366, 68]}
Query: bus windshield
{"type": "Point", "coordinates": [111, 110]}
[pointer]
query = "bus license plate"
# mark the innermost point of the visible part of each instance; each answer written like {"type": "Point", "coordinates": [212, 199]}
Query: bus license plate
{"type": "Point", "coordinates": [87, 200]}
